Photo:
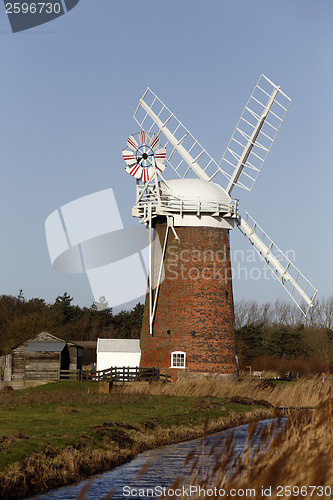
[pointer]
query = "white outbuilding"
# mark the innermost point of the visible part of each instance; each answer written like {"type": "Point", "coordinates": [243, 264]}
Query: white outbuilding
{"type": "Point", "coordinates": [118, 353]}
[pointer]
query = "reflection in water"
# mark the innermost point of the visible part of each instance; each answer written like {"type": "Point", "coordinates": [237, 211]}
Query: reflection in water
{"type": "Point", "coordinates": [166, 465]}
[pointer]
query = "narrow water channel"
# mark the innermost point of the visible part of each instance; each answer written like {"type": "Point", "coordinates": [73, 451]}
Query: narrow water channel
{"type": "Point", "coordinates": [166, 464]}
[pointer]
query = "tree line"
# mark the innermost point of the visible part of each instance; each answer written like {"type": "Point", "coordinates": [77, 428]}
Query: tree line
{"type": "Point", "coordinates": [274, 335]}
{"type": "Point", "coordinates": [267, 335]}
{"type": "Point", "coordinates": [284, 313]}
{"type": "Point", "coordinates": [21, 319]}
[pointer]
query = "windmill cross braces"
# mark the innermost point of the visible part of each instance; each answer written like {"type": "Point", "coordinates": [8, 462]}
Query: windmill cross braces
{"type": "Point", "coordinates": [164, 139]}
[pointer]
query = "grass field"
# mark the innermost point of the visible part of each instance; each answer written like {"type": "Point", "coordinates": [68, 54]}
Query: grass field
{"type": "Point", "coordinates": [62, 432]}
{"type": "Point", "coordinates": [66, 414]}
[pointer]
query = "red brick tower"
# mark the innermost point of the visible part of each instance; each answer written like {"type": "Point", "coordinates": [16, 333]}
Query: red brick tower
{"type": "Point", "coordinates": [193, 326]}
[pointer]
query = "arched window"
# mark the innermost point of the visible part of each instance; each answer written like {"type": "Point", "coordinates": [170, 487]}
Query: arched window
{"type": "Point", "coordinates": [178, 359]}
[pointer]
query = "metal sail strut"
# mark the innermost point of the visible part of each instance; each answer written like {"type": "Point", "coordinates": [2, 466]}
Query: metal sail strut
{"type": "Point", "coordinates": [175, 143]}
{"type": "Point", "coordinates": [299, 288]}
{"type": "Point", "coordinates": [254, 134]}
{"type": "Point", "coordinates": [247, 151]}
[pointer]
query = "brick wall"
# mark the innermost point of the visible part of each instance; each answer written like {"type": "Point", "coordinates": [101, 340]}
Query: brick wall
{"type": "Point", "coordinates": [195, 303]}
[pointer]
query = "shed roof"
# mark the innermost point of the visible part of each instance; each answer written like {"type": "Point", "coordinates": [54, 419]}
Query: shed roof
{"type": "Point", "coordinates": [118, 345]}
{"type": "Point", "coordinates": [45, 346]}
{"type": "Point", "coordinates": [42, 336]}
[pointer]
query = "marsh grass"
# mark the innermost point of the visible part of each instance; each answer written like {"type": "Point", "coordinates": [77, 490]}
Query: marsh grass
{"type": "Point", "coordinates": [61, 433]}
{"type": "Point", "coordinates": [303, 392]}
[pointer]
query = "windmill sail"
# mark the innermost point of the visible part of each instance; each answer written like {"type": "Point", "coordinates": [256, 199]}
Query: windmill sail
{"type": "Point", "coordinates": [299, 288]}
{"type": "Point", "coordinates": [185, 154]}
{"type": "Point", "coordinates": [254, 134]}
{"type": "Point", "coordinates": [240, 165]}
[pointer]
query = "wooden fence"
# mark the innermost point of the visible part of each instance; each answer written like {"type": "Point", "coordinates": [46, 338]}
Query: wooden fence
{"type": "Point", "coordinates": [115, 374]}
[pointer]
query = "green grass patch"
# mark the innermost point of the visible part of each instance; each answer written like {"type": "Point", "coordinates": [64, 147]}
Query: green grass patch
{"type": "Point", "coordinates": [281, 383]}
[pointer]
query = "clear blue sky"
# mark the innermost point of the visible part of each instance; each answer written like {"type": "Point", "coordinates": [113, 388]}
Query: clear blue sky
{"type": "Point", "coordinates": [69, 89]}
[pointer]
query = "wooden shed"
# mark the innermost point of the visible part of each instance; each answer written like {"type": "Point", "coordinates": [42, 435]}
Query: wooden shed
{"type": "Point", "coordinates": [42, 358]}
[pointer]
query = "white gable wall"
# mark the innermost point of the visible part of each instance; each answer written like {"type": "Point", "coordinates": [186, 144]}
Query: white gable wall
{"type": "Point", "coordinates": [117, 353]}
{"type": "Point", "coordinates": [118, 359]}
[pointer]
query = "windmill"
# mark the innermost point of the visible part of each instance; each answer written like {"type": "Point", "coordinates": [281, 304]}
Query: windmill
{"type": "Point", "coordinates": [188, 322]}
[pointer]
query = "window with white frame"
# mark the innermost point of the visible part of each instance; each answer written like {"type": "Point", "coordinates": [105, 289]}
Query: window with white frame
{"type": "Point", "coordinates": [178, 359]}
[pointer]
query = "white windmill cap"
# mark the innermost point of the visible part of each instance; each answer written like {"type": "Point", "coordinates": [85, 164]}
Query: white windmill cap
{"type": "Point", "coordinates": [196, 189]}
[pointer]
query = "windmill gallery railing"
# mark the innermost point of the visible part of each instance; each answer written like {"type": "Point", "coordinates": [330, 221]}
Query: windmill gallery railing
{"type": "Point", "coordinates": [170, 204]}
{"type": "Point", "coordinates": [115, 374]}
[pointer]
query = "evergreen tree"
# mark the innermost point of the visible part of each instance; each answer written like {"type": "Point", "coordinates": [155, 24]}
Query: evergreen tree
{"type": "Point", "coordinates": [63, 310]}
{"type": "Point", "coordinates": [250, 341]}
{"type": "Point", "coordinates": [287, 342]}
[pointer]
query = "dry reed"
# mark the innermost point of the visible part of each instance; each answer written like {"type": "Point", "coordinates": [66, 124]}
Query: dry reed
{"type": "Point", "coordinates": [303, 392]}
{"type": "Point", "coordinates": [294, 462]}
